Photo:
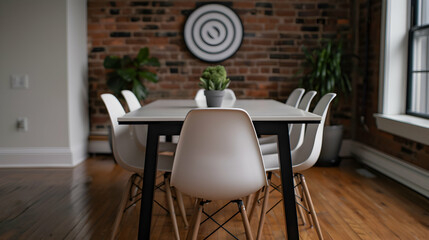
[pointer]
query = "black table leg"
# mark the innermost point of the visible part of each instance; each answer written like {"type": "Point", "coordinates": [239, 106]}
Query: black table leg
{"type": "Point", "coordinates": [287, 182]}
{"type": "Point", "coordinates": [149, 176]}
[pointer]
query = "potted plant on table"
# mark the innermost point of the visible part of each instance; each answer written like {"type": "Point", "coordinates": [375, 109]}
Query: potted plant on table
{"type": "Point", "coordinates": [129, 73]}
{"type": "Point", "coordinates": [327, 69]}
{"type": "Point", "coordinates": [214, 81]}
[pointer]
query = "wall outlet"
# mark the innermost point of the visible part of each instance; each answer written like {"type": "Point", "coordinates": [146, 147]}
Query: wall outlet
{"type": "Point", "coordinates": [22, 124]}
{"type": "Point", "coordinates": [19, 81]}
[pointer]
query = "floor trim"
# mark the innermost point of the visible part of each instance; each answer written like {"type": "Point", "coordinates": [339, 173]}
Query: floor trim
{"type": "Point", "coordinates": [414, 177]}
{"type": "Point", "coordinates": [37, 157]}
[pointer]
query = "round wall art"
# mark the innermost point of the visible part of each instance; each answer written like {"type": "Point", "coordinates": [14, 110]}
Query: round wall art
{"type": "Point", "coordinates": [213, 32]}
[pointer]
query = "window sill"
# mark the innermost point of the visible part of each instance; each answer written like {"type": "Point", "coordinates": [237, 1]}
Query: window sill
{"type": "Point", "coordinates": [410, 127]}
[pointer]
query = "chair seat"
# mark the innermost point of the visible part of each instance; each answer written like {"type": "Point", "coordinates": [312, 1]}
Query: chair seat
{"type": "Point", "coordinates": [271, 162]}
{"type": "Point", "coordinates": [269, 148]}
{"type": "Point", "coordinates": [167, 147]}
{"type": "Point", "coordinates": [267, 139]}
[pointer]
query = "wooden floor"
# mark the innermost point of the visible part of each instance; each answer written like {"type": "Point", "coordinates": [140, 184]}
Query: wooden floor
{"type": "Point", "coordinates": [352, 202]}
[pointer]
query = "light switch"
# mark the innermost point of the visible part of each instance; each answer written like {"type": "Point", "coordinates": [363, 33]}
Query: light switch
{"type": "Point", "coordinates": [22, 124]}
{"type": "Point", "coordinates": [19, 81]}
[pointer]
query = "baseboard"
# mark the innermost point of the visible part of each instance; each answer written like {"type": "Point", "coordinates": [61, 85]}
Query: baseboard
{"type": "Point", "coordinates": [99, 145]}
{"type": "Point", "coordinates": [38, 157]}
{"type": "Point", "coordinates": [414, 177]}
{"type": "Point", "coordinates": [79, 153]}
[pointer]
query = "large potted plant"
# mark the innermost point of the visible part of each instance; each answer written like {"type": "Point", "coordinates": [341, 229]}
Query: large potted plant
{"type": "Point", "coordinates": [129, 73]}
{"type": "Point", "coordinates": [327, 69]}
{"type": "Point", "coordinates": [214, 81]}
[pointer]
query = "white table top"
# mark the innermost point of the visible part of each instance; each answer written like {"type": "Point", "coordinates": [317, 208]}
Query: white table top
{"type": "Point", "coordinates": [176, 110]}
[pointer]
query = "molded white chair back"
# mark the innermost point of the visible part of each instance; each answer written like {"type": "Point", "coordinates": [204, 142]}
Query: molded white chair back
{"type": "Point", "coordinates": [218, 155]}
{"type": "Point", "coordinates": [140, 131]}
{"type": "Point", "coordinates": [306, 156]}
{"type": "Point", "coordinates": [127, 152]}
{"type": "Point", "coordinates": [200, 95]}
{"type": "Point", "coordinates": [295, 97]}
{"type": "Point", "coordinates": [296, 134]}
{"type": "Point", "coordinates": [131, 99]}
{"type": "Point", "coordinates": [229, 95]}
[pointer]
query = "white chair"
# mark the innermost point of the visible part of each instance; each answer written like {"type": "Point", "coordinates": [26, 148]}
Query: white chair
{"type": "Point", "coordinates": [130, 156]}
{"type": "Point", "coordinates": [140, 131]}
{"type": "Point", "coordinates": [295, 97]}
{"type": "Point", "coordinates": [216, 161]}
{"type": "Point", "coordinates": [296, 131]}
{"type": "Point", "coordinates": [293, 101]}
{"type": "Point", "coordinates": [131, 99]}
{"type": "Point", "coordinates": [306, 155]}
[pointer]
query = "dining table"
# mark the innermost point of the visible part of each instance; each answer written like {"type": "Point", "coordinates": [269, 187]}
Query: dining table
{"type": "Point", "coordinates": [269, 117]}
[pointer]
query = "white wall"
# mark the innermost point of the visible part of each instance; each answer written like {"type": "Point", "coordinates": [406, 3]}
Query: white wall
{"type": "Point", "coordinates": [46, 41]}
{"type": "Point", "coordinates": [77, 72]}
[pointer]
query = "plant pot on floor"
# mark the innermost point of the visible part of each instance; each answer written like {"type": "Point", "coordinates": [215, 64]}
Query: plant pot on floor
{"type": "Point", "coordinates": [332, 139]}
{"type": "Point", "coordinates": [214, 97]}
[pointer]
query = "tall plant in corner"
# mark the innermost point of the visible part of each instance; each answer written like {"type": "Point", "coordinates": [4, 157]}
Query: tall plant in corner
{"type": "Point", "coordinates": [130, 73]}
{"type": "Point", "coordinates": [327, 69]}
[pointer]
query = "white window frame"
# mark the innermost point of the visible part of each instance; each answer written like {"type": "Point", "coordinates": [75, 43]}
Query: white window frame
{"type": "Point", "coordinates": [391, 118]}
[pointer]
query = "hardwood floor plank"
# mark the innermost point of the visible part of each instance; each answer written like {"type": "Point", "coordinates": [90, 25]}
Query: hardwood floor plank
{"type": "Point", "coordinates": [82, 203]}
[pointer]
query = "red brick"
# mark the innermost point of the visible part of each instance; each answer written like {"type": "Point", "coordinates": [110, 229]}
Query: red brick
{"type": "Point", "coordinates": [98, 35]}
{"type": "Point", "coordinates": [257, 93]}
{"type": "Point", "coordinates": [257, 78]}
{"type": "Point", "coordinates": [129, 26]}
{"type": "Point", "coordinates": [114, 42]}
{"type": "Point", "coordinates": [247, 4]}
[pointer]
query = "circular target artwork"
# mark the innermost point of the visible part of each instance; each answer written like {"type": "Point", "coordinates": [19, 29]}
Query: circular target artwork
{"type": "Point", "coordinates": [213, 32]}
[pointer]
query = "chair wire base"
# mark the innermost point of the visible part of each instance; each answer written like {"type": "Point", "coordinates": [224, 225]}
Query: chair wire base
{"type": "Point", "coordinates": [220, 225]}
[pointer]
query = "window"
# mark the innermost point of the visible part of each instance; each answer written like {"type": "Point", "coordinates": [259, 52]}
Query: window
{"type": "Point", "coordinates": [393, 116]}
{"type": "Point", "coordinates": [418, 60]}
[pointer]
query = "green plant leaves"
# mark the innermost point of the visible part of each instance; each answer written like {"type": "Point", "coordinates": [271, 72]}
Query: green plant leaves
{"type": "Point", "coordinates": [214, 78]}
{"type": "Point", "coordinates": [139, 90]}
{"type": "Point", "coordinates": [115, 83]}
{"type": "Point", "coordinates": [130, 73]}
{"type": "Point", "coordinates": [153, 61]}
{"type": "Point", "coordinates": [324, 69]}
{"type": "Point", "coordinates": [152, 77]}
{"type": "Point", "coordinates": [112, 62]}
{"type": "Point", "coordinates": [143, 55]}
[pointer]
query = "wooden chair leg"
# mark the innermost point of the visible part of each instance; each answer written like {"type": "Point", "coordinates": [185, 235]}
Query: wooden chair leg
{"type": "Point", "coordinates": [300, 211]}
{"type": "Point", "coordinates": [197, 222]}
{"type": "Point", "coordinates": [193, 218]}
{"type": "Point", "coordinates": [264, 210]}
{"type": "Point", "coordinates": [245, 220]}
{"type": "Point", "coordinates": [182, 208]}
{"type": "Point", "coordinates": [311, 207]}
{"type": "Point", "coordinates": [248, 201]}
{"type": "Point", "coordinates": [254, 202]}
{"type": "Point", "coordinates": [171, 207]}
{"type": "Point", "coordinates": [122, 205]}
{"type": "Point", "coordinates": [304, 201]}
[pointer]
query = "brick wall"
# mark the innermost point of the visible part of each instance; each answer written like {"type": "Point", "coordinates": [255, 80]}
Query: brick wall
{"type": "Point", "coordinates": [263, 67]}
{"type": "Point", "coordinates": [367, 132]}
